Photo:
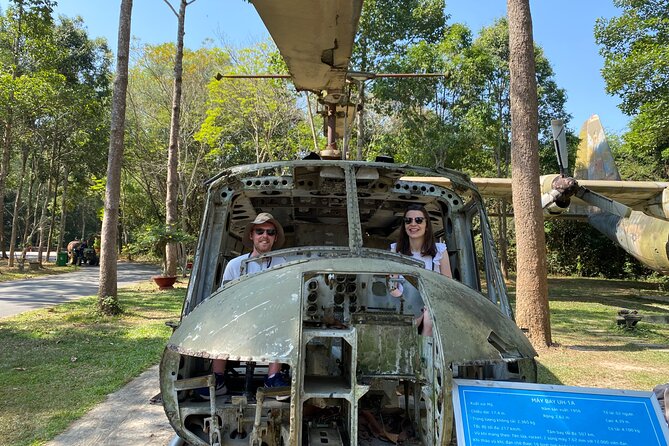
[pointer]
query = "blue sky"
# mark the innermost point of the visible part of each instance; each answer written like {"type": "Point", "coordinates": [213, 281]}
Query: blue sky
{"type": "Point", "coordinates": [564, 29]}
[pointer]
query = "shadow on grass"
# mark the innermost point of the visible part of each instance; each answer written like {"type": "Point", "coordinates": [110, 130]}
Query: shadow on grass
{"type": "Point", "coordinates": [545, 376]}
{"type": "Point", "coordinates": [576, 289]}
{"type": "Point", "coordinates": [619, 348]}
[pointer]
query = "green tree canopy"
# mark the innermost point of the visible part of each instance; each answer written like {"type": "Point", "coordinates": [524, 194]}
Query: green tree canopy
{"type": "Point", "coordinates": [54, 89]}
{"type": "Point", "coordinates": [254, 120]}
{"type": "Point", "coordinates": [635, 47]}
{"type": "Point", "coordinates": [148, 124]}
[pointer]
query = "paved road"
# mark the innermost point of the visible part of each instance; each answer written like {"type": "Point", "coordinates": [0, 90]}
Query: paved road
{"type": "Point", "coordinates": [23, 295]}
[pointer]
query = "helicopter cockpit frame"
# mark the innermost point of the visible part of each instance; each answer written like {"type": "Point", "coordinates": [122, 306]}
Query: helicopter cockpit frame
{"type": "Point", "coordinates": [355, 358]}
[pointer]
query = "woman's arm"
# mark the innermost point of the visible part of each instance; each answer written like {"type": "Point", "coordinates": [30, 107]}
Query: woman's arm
{"type": "Point", "coordinates": [445, 264]}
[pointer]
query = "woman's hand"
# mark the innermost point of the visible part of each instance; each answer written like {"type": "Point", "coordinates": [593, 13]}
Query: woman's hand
{"type": "Point", "coordinates": [395, 288]}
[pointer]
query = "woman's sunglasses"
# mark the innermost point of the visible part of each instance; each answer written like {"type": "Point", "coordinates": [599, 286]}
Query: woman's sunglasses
{"type": "Point", "coordinates": [418, 220]}
{"type": "Point", "coordinates": [261, 231]}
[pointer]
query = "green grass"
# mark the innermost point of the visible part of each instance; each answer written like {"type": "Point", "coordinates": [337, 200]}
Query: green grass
{"type": "Point", "coordinates": [8, 273]}
{"type": "Point", "coordinates": [58, 363]}
{"type": "Point", "coordinates": [591, 349]}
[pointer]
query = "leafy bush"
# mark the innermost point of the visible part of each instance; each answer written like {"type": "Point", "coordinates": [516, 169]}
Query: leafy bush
{"type": "Point", "coordinates": [153, 239]}
{"type": "Point", "coordinates": [577, 249]}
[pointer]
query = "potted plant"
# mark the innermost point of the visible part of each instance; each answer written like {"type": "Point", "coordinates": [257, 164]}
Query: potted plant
{"type": "Point", "coordinates": [154, 239]}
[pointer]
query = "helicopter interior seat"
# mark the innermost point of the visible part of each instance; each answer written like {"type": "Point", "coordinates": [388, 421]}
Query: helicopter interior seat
{"type": "Point", "coordinates": [241, 377]}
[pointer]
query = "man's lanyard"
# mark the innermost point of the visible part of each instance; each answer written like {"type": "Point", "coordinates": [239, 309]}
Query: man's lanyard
{"type": "Point", "coordinates": [268, 261]}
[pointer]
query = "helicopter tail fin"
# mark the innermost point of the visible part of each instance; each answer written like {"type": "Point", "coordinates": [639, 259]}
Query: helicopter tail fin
{"type": "Point", "coordinates": [594, 160]}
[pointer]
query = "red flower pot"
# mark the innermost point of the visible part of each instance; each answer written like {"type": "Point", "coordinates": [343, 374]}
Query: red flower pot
{"type": "Point", "coordinates": [165, 282]}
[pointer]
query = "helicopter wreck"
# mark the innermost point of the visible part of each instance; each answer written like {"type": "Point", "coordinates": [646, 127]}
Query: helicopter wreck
{"type": "Point", "coordinates": [359, 371]}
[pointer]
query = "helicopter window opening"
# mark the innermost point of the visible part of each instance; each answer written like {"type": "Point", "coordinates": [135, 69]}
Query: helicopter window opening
{"type": "Point", "coordinates": [513, 367]}
{"type": "Point", "coordinates": [449, 226]}
{"type": "Point", "coordinates": [477, 245]}
{"type": "Point", "coordinates": [456, 274]}
{"type": "Point", "coordinates": [326, 421]}
{"type": "Point", "coordinates": [227, 222]}
{"type": "Point", "coordinates": [218, 275]}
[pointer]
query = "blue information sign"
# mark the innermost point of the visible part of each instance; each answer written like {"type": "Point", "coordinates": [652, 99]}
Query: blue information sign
{"type": "Point", "coordinates": [521, 414]}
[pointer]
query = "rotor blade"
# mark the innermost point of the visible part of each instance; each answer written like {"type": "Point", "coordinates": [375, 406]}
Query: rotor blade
{"type": "Point", "coordinates": [412, 75]}
{"type": "Point", "coordinates": [220, 76]}
{"type": "Point", "coordinates": [315, 39]}
{"type": "Point", "coordinates": [603, 203]}
{"type": "Point", "coordinates": [355, 75]}
{"type": "Point", "coordinates": [560, 142]}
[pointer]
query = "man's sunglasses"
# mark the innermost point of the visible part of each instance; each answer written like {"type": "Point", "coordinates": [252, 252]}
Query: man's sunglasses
{"type": "Point", "coordinates": [261, 231]}
{"type": "Point", "coordinates": [418, 220]}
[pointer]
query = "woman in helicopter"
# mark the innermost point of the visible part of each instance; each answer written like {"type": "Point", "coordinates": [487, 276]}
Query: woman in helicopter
{"type": "Point", "coordinates": [416, 239]}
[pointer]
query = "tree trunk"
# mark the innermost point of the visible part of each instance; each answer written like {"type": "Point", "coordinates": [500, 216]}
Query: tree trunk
{"type": "Point", "coordinates": [531, 288]}
{"type": "Point", "coordinates": [52, 223]}
{"type": "Point", "coordinates": [83, 223]}
{"type": "Point", "coordinates": [4, 172]}
{"type": "Point", "coordinates": [17, 204]}
{"type": "Point", "coordinates": [311, 122]}
{"type": "Point", "coordinates": [108, 292]}
{"type": "Point", "coordinates": [502, 158]}
{"type": "Point", "coordinates": [361, 122]}
{"type": "Point", "coordinates": [43, 219]}
{"type": "Point", "coordinates": [171, 204]}
{"type": "Point", "coordinates": [63, 211]}
{"type": "Point", "coordinates": [31, 215]}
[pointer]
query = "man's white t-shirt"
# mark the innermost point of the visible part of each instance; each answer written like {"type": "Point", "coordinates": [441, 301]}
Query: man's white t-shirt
{"type": "Point", "coordinates": [234, 266]}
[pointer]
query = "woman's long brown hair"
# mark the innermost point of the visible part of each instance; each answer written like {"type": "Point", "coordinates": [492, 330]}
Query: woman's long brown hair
{"type": "Point", "coordinates": [429, 247]}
